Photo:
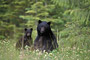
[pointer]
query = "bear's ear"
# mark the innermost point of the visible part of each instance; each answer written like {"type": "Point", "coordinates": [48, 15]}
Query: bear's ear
{"type": "Point", "coordinates": [31, 28]}
{"type": "Point", "coordinates": [25, 29]}
{"type": "Point", "coordinates": [39, 21]}
{"type": "Point", "coordinates": [49, 23]}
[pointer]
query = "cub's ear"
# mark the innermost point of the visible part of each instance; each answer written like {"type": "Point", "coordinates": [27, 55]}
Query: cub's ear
{"type": "Point", "coordinates": [39, 21]}
{"type": "Point", "coordinates": [49, 23]}
{"type": "Point", "coordinates": [31, 28]}
{"type": "Point", "coordinates": [25, 29]}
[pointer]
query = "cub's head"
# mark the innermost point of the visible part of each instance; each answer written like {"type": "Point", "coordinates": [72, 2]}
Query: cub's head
{"type": "Point", "coordinates": [28, 32]}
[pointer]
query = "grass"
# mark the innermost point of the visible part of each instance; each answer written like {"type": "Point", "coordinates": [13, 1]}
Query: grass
{"type": "Point", "coordinates": [8, 52]}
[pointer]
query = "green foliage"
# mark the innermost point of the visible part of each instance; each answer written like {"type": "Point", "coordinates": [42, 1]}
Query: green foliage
{"type": "Point", "coordinates": [76, 10]}
{"type": "Point", "coordinates": [70, 22]}
{"type": "Point", "coordinates": [76, 37]}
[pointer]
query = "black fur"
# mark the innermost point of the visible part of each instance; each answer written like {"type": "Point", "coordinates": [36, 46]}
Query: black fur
{"type": "Point", "coordinates": [45, 39]}
{"type": "Point", "coordinates": [25, 40]}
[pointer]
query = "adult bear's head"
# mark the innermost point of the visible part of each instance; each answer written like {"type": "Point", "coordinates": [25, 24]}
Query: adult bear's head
{"type": "Point", "coordinates": [43, 27]}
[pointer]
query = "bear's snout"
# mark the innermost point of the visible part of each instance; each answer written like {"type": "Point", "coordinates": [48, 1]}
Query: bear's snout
{"type": "Point", "coordinates": [42, 30]}
{"type": "Point", "coordinates": [28, 34]}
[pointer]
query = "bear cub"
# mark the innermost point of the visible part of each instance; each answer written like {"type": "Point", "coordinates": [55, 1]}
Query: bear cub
{"type": "Point", "coordinates": [45, 39]}
{"type": "Point", "coordinates": [25, 40]}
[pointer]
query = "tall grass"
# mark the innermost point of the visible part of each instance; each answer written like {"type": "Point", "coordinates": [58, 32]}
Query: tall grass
{"type": "Point", "coordinates": [8, 52]}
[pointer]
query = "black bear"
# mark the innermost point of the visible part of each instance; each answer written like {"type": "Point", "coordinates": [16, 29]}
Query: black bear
{"type": "Point", "coordinates": [45, 39]}
{"type": "Point", "coordinates": [25, 40]}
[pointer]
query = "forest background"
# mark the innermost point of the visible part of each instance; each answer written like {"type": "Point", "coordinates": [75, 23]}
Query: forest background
{"type": "Point", "coordinates": [70, 23]}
